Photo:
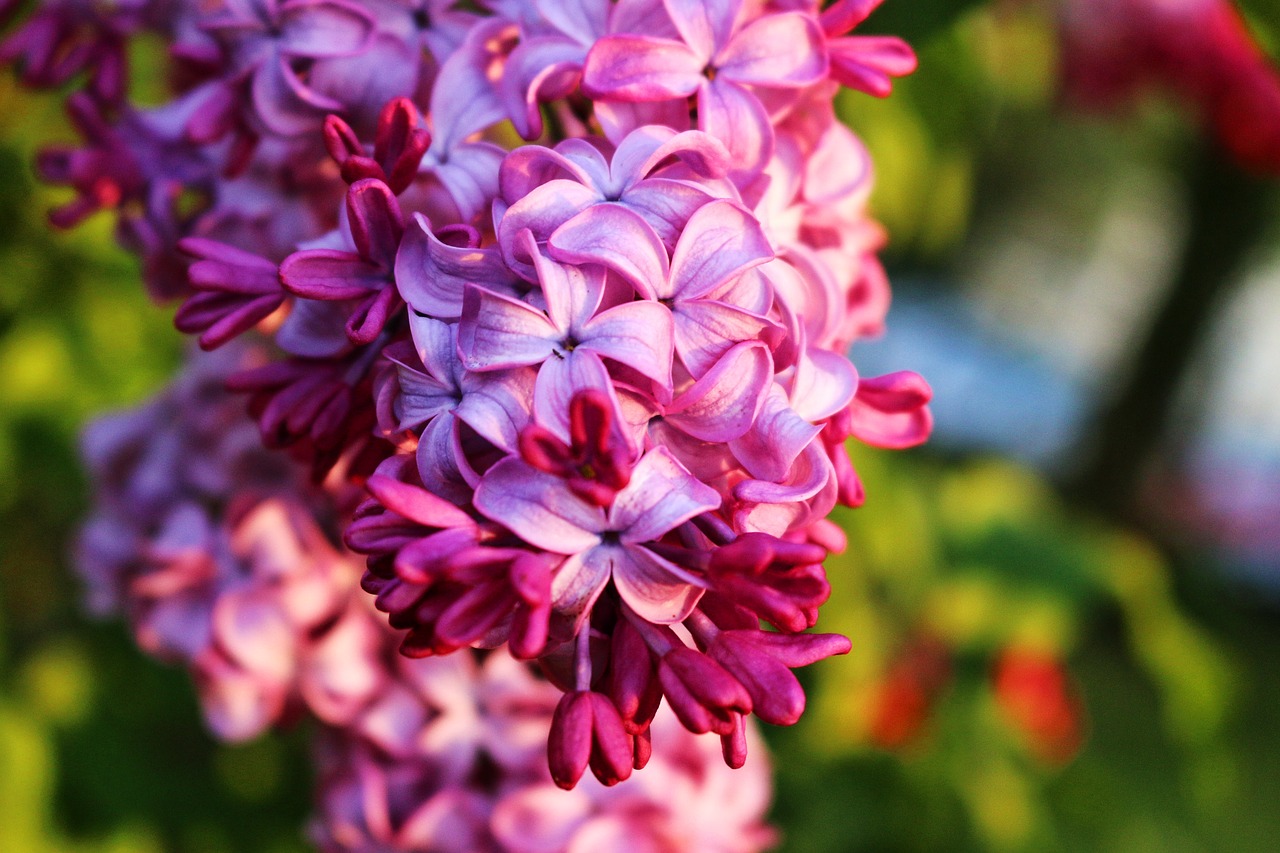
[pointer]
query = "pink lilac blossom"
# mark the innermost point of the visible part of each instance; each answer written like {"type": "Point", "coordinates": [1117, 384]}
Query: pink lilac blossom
{"type": "Point", "coordinates": [225, 564]}
{"type": "Point", "coordinates": [594, 385]}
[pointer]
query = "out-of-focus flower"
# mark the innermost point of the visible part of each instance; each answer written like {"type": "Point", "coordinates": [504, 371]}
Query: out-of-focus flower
{"type": "Point", "coordinates": [1038, 696]}
{"type": "Point", "coordinates": [1201, 50]}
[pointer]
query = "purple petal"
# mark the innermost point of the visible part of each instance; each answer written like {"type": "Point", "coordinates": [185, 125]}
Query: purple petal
{"type": "Point", "coordinates": [612, 235]}
{"type": "Point", "coordinates": [538, 508]}
{"type": "Point", "coordinates": [465, 99]}
{"type": "Point", "coordinates": [661, 496]}
{"type": "Point", "coordinates": [330, 274]}
{"type": "Point", "coordinates": [537, 71]}
{"type": "Point", "coordinates": [786, 49]}
{"type": "Point", "coordinates": [470, 177]}
{"type": "Point", "coordinates": [499, 332]}
{"type": "Point", "coordinates": [641, 68]}
{"type": "Point", "coordinates": [637, 334]}
{"type": "Point", "coordinates": [560, 380]}
{"type": "Point", "coordinates": [314, 329]}
{"type": "Point", "coordinates": [724, 403]}
{"type": "Point", "coordinates": [284, 103]}
{"type": "Point", "coordinates": [322, 28]}
{"type": "Point", "coordinates": [720, 241]}
{"type": "Point", "coordinates": [432, 275]}
{"type": "Point", "coordinates": [657, 590]}
{"type": "Point", "coordinates": [572, 293]}
{"type": "Point", "coordinates": [497, 406]}
{"type": "Point", "coordinates": [666, 205]}
{"type": "Point", "coordinates": [542, 211]}
{"type": "Point", "coordinates": [582, 20]}
{"type": "Point", "coordinates": [530, 166]}
{"type": "Point", "coordinates": [647, 147]}
{"type": "Point", "coordinates": [441, 463]}
{"type": "Point", "coordinates": [705, 331]}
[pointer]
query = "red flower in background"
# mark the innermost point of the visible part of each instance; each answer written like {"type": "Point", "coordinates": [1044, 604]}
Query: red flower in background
{"type": "Point", "coordinates": [1201, 50]}
{"type": "Point", "coordinates": [1039, 697]}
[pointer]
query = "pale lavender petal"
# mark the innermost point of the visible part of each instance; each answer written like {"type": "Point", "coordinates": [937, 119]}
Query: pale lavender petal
{"type": "Point", "coordinates": [720, 241]}
{"type": "Point", "coordinates": [441, 463]}
{"type": "Point", "coordinates": [637, 334]}
{"type": "Point", "coordinates": [542, 68]}
{"type": "Point", "coordinates": [572, 293]}
{"type": "Point", "coordinates": [578, 582]}
{"type": "Point", "coordinates": [662, 495]}
{"type": "Point", "coordinates": [641, 68]}
{"type": "Point", "coordinates": [539, 508]}
{"type": "Point", "coordinates": [582, 20]}
{"type": "Point", "coordinates": [542, 211]}
{"type": "Point", "coordinates": [465, 100]}
{"type": "Point", "coordinates": [470, 177]}
{"type": "Point", "coordinates": [647, 147]}
{"type": "Point", "coordinates": [724, 403]}
{"type": "Point", "coordinates": [618, 238]}
{"type": "Point", "coordinates": [251, 627]}
{"type": "Point", "coordinates": [540, 818]}
{"type": "Point", "coordinates": [422, 398]}
{"type": "Point", "coordinates": [436, 343]}
{"type": "Point", "coordinates": [559, 380]}
{"type": "Point", "coordinates": [656, 589]}
{"type": "Point", "coordinates": [499, 332]}
{"type": "Point", "coordinates": [808, 476]}
{"type": "Point", "coordinates": [785, 49]}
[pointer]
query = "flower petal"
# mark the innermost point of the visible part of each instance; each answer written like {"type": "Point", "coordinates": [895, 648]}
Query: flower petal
{"type": "Point", "coordinates": [720, 241]}
{"type": "Point", "coordinates": [618, 238]}
{"type": "Point", "coordinates": [539, 508]}
{"type": "Point", "coordinates": [657, 590]}
{"type": "Point", "coordinates": [724, 403]}
{"type": "Point", "coordinates": [641, 68]}
{"type": "Point", "coordinates": [661, 496]}
{"type": "Point", "coordinates": [498, 332]}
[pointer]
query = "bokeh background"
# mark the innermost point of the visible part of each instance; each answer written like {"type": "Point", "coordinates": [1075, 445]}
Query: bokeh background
{"type": "Point", "coordinates": [1065, 611]}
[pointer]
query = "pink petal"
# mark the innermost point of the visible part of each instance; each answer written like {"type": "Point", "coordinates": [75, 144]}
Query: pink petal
{"type": "Point", "coordinates": [869, 63]}
{"type": "Point", "coordinates": [720, 241]}
{"type": "Point", "coordinates": [666, 205]}
{"type": "Point", "coordinates": [781, 50]}
{"type": "Point", "coordinates": [823, 384]}
{"type": "Point", "coordinates": [641, 68]}
{"type": "Point", "coordinates": [499, 332]}
{"type": "Point", "coordinates": [724, 403]}
{"type": "Point", "coordinates": [498, 406]}
{"type": "Point", "coordinates": [538, 508]}
{"type": "Point", "coordinates": [892, 411]}
{"type": "Point", "coordinates": [705, 330]}
{"type": "Point", "coordinates": [736, 117]}
{"type": "Point", "coordinates": [705, 25]}
{"type": "Point", "coordinates": [769, 450]}
{"type": "Point", "coordinates": [530, 166]}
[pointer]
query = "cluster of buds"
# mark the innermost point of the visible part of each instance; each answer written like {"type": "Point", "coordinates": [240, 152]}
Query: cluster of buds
{"type": "Point", "coordinates": [225, 564]}
{"type": "Point", "coordinates": [596, 384]}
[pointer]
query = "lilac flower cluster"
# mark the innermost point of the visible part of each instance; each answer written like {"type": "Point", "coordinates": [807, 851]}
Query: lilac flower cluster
{"type": "Point", "coordinates": [227, 565]}
{"type": "Point", "coordinates": [595, 384]}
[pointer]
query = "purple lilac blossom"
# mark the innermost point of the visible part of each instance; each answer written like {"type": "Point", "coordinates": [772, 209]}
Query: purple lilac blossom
{"type": "Point", "coordinates": [594, 386]}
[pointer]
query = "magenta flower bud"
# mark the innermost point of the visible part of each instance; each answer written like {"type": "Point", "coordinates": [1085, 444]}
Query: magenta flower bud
{"type": "Point", "coordinates": [633, 678]}
{"type": "Point", "coordinates": [704, 695]}
{"type": "Point", "coordinates": [586, 730]}
{"type": "Point", "coordinates": [235, 290]}
{"type": "Point", "coordinates": [782, 582]}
